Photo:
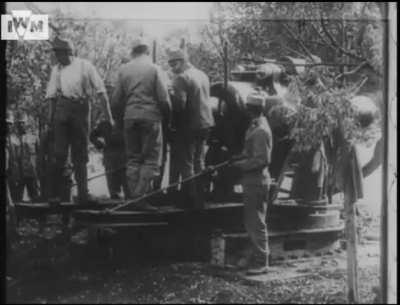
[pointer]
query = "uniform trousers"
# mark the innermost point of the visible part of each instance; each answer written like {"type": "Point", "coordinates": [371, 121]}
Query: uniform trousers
{"type": "Point", "coordinates": [255, 213]}
{"type": "Point", "coordinates": [114, 164]}
{"type": "Point", "coordinates": [188, 150]}
{"type": "Point", "coordinates": [71, 133]}
{"type": "Point", "coordinates": [143, 145]}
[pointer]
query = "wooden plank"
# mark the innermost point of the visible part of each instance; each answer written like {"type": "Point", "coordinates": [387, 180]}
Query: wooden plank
{"type": "Point", "coordinates": [351, 245]}
{"type": "Point", "coordinates": [131, 224]}
{"type": "Point", "coordinates": [291, 232]}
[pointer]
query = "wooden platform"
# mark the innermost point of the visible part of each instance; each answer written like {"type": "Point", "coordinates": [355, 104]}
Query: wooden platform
{"type": "Point", "coordinates": [288, 215]}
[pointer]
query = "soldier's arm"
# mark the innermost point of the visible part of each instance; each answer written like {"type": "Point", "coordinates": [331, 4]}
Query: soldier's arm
{"type": "Point", "coordinates": [261, 148]}
{"type": "Point", "coordinates": [118, 98]}
{"type": "Point", "coordinates": [95, 138]}
{"type": "Point", "coordinates": [376, 159]}
{"type": "Point", "coordinates": [101, 92]}
{"type": "Point", "coordinates": [94, 135]}
{"type": "Point", "coordinates": [179, 88]}
{"type": "Point", "coordinates": [163, 96]}
{"type": "Point", "coordinates": [51, 92]}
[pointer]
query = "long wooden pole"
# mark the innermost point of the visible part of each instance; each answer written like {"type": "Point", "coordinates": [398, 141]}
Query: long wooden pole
{"type": "Point", "coordinates": [392, 153]}
{"type": "Point", "coordinates": [385, 165]}
{"type": "Point", "coordinates": [225, 64]}
{"type": "Point", "coordinates": [351, 237]}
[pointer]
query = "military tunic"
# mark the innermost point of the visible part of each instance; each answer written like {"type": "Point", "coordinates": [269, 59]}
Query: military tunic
{"type": "Point", "coordinates": [191, 90]}
{"type": "Point", "coordinates": [141, 88]}
{"type": "Point", "coordinates": [255, 182]}
{"type": "Point", "coordinates": [22, 166]}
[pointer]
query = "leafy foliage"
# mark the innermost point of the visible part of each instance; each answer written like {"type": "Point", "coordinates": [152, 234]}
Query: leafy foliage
{"type": "Point", "coordinates": [335, 32]}
{"type": "Point", "coordinates": [252, 29]}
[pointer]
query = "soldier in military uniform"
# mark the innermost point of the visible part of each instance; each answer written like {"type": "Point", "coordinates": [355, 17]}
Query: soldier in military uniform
{"type": "Point", "coordinates": [45, 165]}
{"type": "Point", "coordinates": [22, 162]}
{"type": "Point", "coordinates": [141, 88]}
{"type": "Point", "coordinates": [191, 95]}
{"type": "Point", "coordinates": [71, 82]}
{"type": "Point", "coordinates": [254, 163]}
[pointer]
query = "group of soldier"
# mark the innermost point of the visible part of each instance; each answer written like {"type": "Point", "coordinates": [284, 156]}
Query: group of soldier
{"type": "Point", "coordinates": [144, 110]}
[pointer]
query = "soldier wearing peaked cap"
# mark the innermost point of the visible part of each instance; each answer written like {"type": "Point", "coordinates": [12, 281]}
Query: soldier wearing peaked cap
{"type": "Point", "coordinates": [71, 83]}
{"type": "Point", "coordinates": [22, 169]}
{"type": "Point", "coordinates": [191, 104]}
{"type": "Point", "coordinates": [141, 88]}
{"type": "Point", "coordinates": [254, 163]}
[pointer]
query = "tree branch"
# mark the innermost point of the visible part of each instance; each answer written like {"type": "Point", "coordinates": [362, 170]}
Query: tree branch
{"type": "Point", "coordinates": [292, 50]}
{"type": "Point", "coordinates": [344, 51]}
{"type": "Point", "coordinates": [334, 42]}
{"type": "Point", "coordinates": [308, 53]}
{"type": "Point", "coordinates": [321, 37]}
{"type": "Point", "coordinates": [210, 36]}
{"type": "Point", "coordinates": [354, 90]}
{"type": "Point", "coordinates": [355, 70]}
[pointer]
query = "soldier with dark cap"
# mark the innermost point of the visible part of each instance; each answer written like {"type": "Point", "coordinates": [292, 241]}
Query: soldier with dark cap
{"type": "Point", "coordinates": [71, 83]}
{"type": "Point", "coordinates": [141, 88]}
{"type": "Point", "coordinates": [254, 163]}
{"type": "Point", "coordinates": [22, 158]}
{"type": "Point", "coordinates": [191, 95]}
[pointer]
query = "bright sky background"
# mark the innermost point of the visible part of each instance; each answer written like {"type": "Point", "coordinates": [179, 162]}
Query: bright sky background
{"type": "Point", "coordinates": [157, 17]}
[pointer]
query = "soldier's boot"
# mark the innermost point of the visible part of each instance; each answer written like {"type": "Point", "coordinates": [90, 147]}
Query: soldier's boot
{"type": "Point", "coordinates": [66, 189]}
{"type": "Point", "coordinates": [55, 183]}
{"type": "Point", "coordinates": [261, 265]}
{"type": "Point", "coordinates": [143, 186]}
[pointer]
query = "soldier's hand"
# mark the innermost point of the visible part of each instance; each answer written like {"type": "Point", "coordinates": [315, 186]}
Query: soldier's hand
{"type": "Point", "coordinates": [112, 123]}
{"type": "Point", "coordinates": [235, 158]}
{"type": "Point", "coordinates": [210, 169]}
{"type": "Point", "coordinates": [99, 144]}
{"type": "Point", "coordinates": [170, 133]}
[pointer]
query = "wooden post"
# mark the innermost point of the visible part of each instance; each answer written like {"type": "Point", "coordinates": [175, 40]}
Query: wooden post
{"type": "Point", "coordinates": [351, 246]}
{"type": "Point", "coordinates": [385, 165]}
{"type": "Point", "coordinates": [225, 64]}
{"type": "Point", "coordinates": [344, 57]}
{"type": "Point", "coordinates": [391, 258]}
{"type": "Point", "coordinates": [154, 51]}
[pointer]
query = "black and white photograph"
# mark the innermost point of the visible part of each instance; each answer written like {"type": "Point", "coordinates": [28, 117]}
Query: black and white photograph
{"type": "Point", "coordinates": [199, 152]}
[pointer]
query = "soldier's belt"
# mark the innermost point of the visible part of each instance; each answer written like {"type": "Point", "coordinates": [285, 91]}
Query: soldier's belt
{"type": "Point", "coordinates": [64, 99]}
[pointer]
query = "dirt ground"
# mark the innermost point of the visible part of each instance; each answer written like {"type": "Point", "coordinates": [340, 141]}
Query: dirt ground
{"type": "Point", "coordinates": [42, 267]}
{"type": "Point", "coordinates": [40, 273]}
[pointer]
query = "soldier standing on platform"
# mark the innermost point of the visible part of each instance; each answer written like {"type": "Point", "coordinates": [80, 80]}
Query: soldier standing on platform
{"type": "Point", "coordinates": [141, 88]}
{"type": "Point", "coordinates": [254, 163]}
{"type": "Point", "coordinates": [191, 95]}
{"type": "Point", "coordinates": [69, 88]}
{"type": "Point", "coordinates": [22, 162]}
{"type": "Point", "coordinates": [45, 164]}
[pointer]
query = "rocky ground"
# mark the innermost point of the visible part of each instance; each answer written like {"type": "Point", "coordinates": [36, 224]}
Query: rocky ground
{"type": "Point", "coordinates": [43, 267]}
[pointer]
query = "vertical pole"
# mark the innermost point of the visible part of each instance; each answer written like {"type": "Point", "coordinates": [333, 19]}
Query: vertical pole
{"type": "Point", "coordinates": [344, 57]}
{"type": "Point", "coordinates": [154, 51]}
{"type": "Point", "coordinates": [225, 64]}
{"type": "Point", "coordinates": [391, 263]}
{"type": "Point", "coordinates": [351, 236]}
{"type": "Point", "coordinates": [385, 165]}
